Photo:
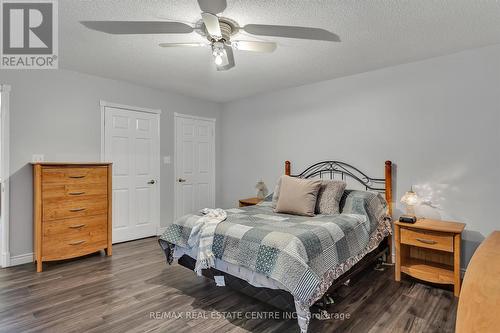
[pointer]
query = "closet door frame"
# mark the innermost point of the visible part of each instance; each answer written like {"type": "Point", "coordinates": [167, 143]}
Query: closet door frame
{"type": "Point", "coordinates": [212, 157]}
{"type": "Point", "coordinates": [108, 105]}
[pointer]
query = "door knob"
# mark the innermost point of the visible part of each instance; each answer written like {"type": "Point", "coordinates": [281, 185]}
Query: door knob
{"type": "Point", "coordinates": [152, 182]}
{"type": "Point", "coordinates": [181, 180]}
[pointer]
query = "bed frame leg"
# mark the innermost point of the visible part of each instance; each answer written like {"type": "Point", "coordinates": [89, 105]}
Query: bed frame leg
{"type": "Point", "coordinates": [325, 302]}
{"type": "Point", "coordinates": [328, 300]}
{"type": "Point", "coordinates": [380, 266]}
{"type": "Point", "coordinates": [387, 258]}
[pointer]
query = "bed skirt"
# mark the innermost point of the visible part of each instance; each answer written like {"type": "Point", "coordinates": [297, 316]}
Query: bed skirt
{"type": "Point", "coordinates": [282, 299]}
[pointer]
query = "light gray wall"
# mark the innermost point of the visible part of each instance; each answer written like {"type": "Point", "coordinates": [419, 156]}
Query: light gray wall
{"type": "Point", "coordinates": [438, 120]}
{"type": "Point", "coordinates": [56, 113]}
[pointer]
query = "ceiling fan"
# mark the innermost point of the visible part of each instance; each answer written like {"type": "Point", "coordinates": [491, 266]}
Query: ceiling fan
{"type": "Point", "coordinates": [218, 31]}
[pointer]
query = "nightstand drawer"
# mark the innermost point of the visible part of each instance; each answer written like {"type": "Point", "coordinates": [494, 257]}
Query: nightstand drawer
{"type": "Point", "coordinates": [428, 239]}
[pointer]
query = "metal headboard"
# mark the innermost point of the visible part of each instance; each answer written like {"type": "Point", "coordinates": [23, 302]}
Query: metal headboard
{"type": "Point", "coordinates": [344, 170]}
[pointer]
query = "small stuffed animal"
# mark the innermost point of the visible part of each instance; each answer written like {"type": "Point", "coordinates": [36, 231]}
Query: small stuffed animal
{"type": "Point", "coordinates": [262, 189]}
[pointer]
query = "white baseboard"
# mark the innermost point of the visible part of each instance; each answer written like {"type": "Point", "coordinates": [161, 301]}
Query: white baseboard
{"type": "Point", "coordinates": [21, 259]}
{"type": "Point", "coordinates": [5, 259]}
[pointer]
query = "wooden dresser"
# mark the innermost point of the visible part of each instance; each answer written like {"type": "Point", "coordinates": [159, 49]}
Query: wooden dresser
{"type": "Point", "coordinates": [72, 210]}
{"type": "Point", "coordinates": [479, 304]}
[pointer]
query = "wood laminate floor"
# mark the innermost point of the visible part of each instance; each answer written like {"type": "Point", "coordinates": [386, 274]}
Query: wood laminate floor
{"type": "Point", "coordinates": [120, 293]}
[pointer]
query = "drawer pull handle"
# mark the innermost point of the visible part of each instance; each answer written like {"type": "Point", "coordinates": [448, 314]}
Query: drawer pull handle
{"type": "Point", "coordinates": [76, 193]}
{"type": "Point", "coordinates": [77, 242]}
{"type": "Point", "coordinates": [77, 177]}
{"type": "Point", "coordinates": [77, 210]}
{"type": "Point", "coordinates": [426, 241]}
{"type": "Point", "coordinates": [76, 226]}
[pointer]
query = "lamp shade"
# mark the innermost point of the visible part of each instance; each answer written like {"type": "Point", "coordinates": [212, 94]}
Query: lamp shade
{"type": "Point", "coordinates": [410, 198]}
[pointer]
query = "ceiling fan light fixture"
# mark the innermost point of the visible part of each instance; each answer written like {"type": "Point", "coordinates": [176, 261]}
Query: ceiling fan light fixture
{"type": "Point", "coordinates": [217, 30]}
{"type": "Point", "coordinates": [219, 54]}
{"type": "Point", "coordinates": [218, 60]}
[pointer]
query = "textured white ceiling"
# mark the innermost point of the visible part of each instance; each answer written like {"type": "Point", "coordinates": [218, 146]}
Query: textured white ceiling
{"type": "Point", "coordinates": [374, 33]}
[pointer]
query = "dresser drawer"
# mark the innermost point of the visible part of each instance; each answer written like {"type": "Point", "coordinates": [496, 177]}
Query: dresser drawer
{"type": "Point", "coordinates": [71, 191]}
{"type": "Point", "coordinates": [76, 227]}
{"type": "Point", "coordinates": [74, 175]}
{"type": "Point", "coordinates": [428, 239]}
{"type": "Point", "coordinates": [77, 207]}
{"type": "Point", "coordinates": [73, 237]}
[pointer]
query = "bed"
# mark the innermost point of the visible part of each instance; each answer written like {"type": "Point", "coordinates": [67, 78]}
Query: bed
{"type": "Point", "coordinates": [292, 261]}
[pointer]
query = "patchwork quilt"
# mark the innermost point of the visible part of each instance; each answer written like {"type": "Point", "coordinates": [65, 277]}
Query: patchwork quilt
{"type": "Point", "coordinates": [299, 252]}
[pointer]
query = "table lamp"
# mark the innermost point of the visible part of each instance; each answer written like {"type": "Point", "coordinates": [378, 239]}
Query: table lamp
{"type": "Point", "coordinates": [410, 199]}
{"type": "Point", "coordinates": [262, 189]}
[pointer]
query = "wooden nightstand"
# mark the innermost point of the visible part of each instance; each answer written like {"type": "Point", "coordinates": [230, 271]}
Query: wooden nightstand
{"type": "Point", "coordinates": [249, 202]}
{"type": "Point", "coordinates": [429, 250]}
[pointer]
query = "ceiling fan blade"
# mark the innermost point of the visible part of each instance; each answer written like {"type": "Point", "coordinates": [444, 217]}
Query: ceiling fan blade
{"type": "Point", "coordinates": [138, 27]}
{"type": "Point", "coordinates": [228, 61]}
{"type": "Point", "coordinates": [183, 44]}
{"type": "Point", "coordinates": [212, 6]}
{"type": "Point", "coordinates": [291, 32]}
{"type": "Point", "coordinates": [255, 46]}
{"type": "Point", "coordinates": [212, 24]}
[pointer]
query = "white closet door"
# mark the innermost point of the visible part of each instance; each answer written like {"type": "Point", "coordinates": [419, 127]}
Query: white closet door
{"type": "Point", "coordinates": [132, 143]}
{"type": "Point", "coordinates": [194, 164]}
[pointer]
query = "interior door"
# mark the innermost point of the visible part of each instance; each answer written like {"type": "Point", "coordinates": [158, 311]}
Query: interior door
{"type": "Point", "coordinates": [132, 143]}
{"type": "Point", "coordinates": [194, 164]}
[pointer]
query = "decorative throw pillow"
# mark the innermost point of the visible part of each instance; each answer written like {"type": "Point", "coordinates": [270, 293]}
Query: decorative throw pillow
{"type": "Point", "coordinates": [329, 196]}
{"type": "Point", "coordinates": [297, 196]}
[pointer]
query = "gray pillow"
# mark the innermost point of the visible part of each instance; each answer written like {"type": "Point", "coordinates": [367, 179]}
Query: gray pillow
{"type": "Point", "coordinates": [276, 193]}
{"type": "Point", "coordinates": [370, 204]}
{"type": "Point", "coordinates": [297, 196]}
{"type": "Point", "coordinates": [329, 196]}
